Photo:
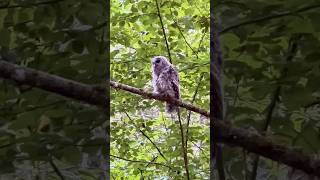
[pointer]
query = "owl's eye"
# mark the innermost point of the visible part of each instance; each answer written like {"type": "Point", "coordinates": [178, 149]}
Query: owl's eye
{"type": "Point", "coordinates": [158, 60]}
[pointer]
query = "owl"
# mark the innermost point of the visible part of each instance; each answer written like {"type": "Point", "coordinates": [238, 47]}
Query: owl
{"type": "Point", "coordinates": [165, 80]}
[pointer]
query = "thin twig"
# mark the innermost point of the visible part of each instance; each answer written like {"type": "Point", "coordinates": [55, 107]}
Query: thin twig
{"type": "Point", "coordinates": [245, 164]}
{"type": "Point", "coordinates": [7, 145]}
{"type": "Point", "coordinates": [138, 161]}
{"type": "Point", "coordinates": [269, 17]}
{"type": "Point", "coordinates": [200, 148]}
{"type": "Point", "coordinates": [153, 160]}
{"type": "Point", "coordinates": [292, 49]}
{"type": "Point", "coordinates": [184, 148]}
{"type": "Point", "coordinates": [56, 169]}
{"type": "Point", "coordinates": [189, 115]}
{"type": "Point", "coordinates": [145, 135]}
{"type": "Point", "coordinates": [201, 40]}
{"type": "Point", "coordinates": [181, 33]}
{"type": "Point", "coordinates": [28, 109]}
{"type": "Point", "coordinates": [163, 31]}
{"type": "Point", "coordinates": [267, 122]}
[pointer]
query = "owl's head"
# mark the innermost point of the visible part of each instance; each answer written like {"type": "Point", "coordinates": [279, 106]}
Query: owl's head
{"type": "Point", "coordinates": [159, 62]}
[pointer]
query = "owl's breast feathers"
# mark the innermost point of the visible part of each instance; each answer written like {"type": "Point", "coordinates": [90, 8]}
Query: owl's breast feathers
{"type": "Point", "coordinates": [175, 81]}
{"type": "Point", "coordinates": [168, 82]}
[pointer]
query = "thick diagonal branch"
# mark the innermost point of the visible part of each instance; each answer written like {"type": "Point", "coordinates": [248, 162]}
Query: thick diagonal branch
{"type": "Point", "coordinates": [263, 146]}
{"type": "Point", "coordinates": [76, 90]}
{"type": "Point", "coordinates": [53, 83]}
{"type": "Point", "coordinates": [149, 95]}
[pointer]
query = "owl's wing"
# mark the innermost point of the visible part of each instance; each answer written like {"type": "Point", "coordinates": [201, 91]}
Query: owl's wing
{"type": "Point", "coordinates": [174, 80]}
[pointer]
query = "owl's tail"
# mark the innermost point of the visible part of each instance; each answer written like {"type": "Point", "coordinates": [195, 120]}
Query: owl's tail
{"type": "Point", "coordinates": [170, 108]}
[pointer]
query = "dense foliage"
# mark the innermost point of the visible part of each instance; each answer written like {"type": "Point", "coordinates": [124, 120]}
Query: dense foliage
{"type": "Point", "coordinates": [271, 77]}
{"type": "Point", "coordinates": [139, 126]}
{"type": "Point", "coordinates": [41, 130]}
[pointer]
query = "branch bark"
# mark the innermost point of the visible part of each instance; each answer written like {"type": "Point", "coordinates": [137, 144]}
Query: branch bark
{"type": "Point", "coordinates": [53, 83]}
{"type": "Point", "coordinates": [263, 146]}
{"type": "Point", "coordinates": [149, 95]}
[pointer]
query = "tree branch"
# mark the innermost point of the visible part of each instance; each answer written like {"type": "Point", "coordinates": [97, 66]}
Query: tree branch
{"type": "Point", "coordinates": [292, 49]}
{"type": "Point", "coordinates": [181, 33]}
{"type": "Point", "coordinates": [263, 146]}
{"type": "Point", "coordinates": [145, 135]}
{"type": "Point", "coordinates": [53, 83]}
{"type": "Point", "coordinates": [56, 169]}
{"type": "Point", "coordinates": [201, 40]}
{"type": "Point", "coordinates": [183, 147]}
{"type": "Point", "coordinates": [163, 31]}
{"type": "Point", "coordinates": [149, 95]}
{"type": "Point", "coordinates": [271, 107]}
{"type": "Point", "coordinates": [138, 161]}
{"type": "Point", "coordinates": [269, 17]}
{"type": "Point", "coordinates": [189, 114]}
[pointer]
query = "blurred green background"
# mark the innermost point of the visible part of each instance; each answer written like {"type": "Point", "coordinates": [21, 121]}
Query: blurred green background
{"type": "Point", "coordinates": [41, 130]}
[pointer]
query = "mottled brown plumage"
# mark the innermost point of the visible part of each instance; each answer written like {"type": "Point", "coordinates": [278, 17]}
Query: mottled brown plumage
{"type": "Point", "coordinates": [165, 80]}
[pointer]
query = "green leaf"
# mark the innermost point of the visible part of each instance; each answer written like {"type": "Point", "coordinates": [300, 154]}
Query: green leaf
{"type": "Point", "coordinates": [297, 97]}
{"type": "Point", "coordinates": [5, 37]}
{"type": "Point", "coordinates": [90, 13]}
{"type": "Point", "coordinates": [71, 155]}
